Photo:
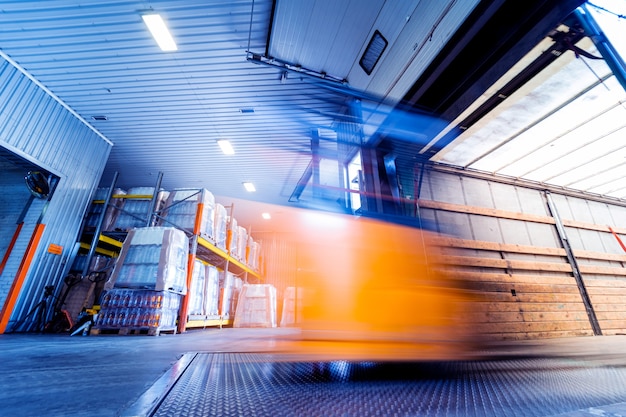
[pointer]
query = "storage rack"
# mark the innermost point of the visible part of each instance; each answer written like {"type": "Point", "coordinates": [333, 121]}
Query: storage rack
{"type": "Point", "coordinates": [201, 247]}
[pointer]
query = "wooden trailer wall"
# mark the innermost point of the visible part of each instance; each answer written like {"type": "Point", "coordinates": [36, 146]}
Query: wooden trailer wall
{"type": "Point", "coordinates": [502, 241]}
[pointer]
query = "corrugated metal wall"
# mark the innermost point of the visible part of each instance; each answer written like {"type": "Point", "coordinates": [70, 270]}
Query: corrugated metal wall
{"type": "Point", "coordinates": [38, 128]}
{"type": "Point", "coordinates": [502, 241]}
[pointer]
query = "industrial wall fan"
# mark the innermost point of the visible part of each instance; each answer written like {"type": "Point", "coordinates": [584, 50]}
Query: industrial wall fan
{"type": "Point", "coordinates": [38, 184]}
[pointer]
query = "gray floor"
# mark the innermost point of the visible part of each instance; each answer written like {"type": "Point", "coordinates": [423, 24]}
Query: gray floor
{"type": "Point", "coordinates": [58, 375]}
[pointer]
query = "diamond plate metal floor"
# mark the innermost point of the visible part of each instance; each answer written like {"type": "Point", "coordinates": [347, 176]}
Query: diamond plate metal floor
{"type": "Point", "coordinates": [247, 384]}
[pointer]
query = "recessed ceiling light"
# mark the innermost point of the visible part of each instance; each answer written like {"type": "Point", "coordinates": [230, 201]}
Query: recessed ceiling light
{"type": "Point", "coordinates": [249, 187]}
{"type": "Point", "coordinates": [99, 118]}
{"type": "Point", "coordinates": [159, 31]}
{"type": "Point", "coordinates": [247, 110]}
{"type": "Point", "coordinates": [226, 147]}
{"type": "Point", "coordinates": [266, 216]}
{"type": "Point", "coordinates": [373, 52]}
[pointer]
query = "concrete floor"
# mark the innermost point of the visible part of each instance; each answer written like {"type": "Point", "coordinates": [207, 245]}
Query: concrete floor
{"type": "Point", "coordinates": [59, 375]}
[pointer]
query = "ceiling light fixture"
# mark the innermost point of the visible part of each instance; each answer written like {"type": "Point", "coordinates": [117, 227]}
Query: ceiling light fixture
{"type": "Point", "coordinates": [226, 147]}
{"type": "Point", "coordinates": [159, 31]}
{"type": "Point", "coordinates": [266, 216]}
{"type": "Point", "coordinates": [249, 187]}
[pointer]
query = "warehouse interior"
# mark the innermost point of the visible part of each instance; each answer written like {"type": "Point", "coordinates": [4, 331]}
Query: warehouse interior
{"type": "Point", "coordinates": [446, 176]}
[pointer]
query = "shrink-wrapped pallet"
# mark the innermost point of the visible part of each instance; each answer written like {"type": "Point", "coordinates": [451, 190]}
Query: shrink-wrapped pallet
{"type": "Point", "coordinates": [292, 306]}
{"type": "Point", "coordinates": [227, 292]}
{"type": "Point", "coordinates": [112, 211]}
{"type": "Point", "coordinates": [211, 299]}
{"type": "Point", "coordinates": [152, 258]}
{"type": "Point", "coordinates": [220, 226]}
{"type": "Point", "coordinates": [196, 291]}
{"type": "Point", "coordinates": [136, 211]}
{"type": "Point", "coordinates": [191, 209]}
{"type": "Point", "coordinates": [256, 306]}
{"type": "Point", "coordinates": [242, 242]}
{"type": "Point", "coordinates": [137, 309]}
{"type": "Point", "coordinates": [254, 253]}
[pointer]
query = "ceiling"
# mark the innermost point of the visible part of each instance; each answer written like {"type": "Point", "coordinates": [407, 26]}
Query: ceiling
{"type": "Point", "coordinates": [269, 76]}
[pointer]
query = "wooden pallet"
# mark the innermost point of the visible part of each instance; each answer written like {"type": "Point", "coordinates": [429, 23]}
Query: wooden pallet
{"type": "Point", "coordinates": [126, 331]}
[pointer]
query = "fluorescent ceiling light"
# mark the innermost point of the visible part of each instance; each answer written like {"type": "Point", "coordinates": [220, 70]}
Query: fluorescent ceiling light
{"type": "Point", "coordinates": [249, 187]}
{"type": "Point", "coordinates": [226, 147]}
{"type": "Point", "coordinates": [159, 31]}
{"type": "Point", "coordinates": [266, 216]}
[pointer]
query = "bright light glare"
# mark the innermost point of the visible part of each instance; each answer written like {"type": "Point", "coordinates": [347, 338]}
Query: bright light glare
{"type": "Point", "coordinates": [159, 31]}
{"type": "Point", "coordinates": [226, 147]}
{"type": "Point", "coordinates": [249, 187]}
{"type": "Point", "coordinates": [266, 216]}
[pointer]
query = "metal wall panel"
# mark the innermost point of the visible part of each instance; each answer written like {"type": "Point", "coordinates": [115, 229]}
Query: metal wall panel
{"type": "Point", "coordinates": [38, 128]}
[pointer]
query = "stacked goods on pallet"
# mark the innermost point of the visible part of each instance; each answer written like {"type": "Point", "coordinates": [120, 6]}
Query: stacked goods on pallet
{"type": "Point", "coordinates": [137, 208]}
{"type": "Point", "coordinates": [254, 253]}
{"type": "Point", "coordinates": [197, 290]}
{"type": "Point", "coordinates": [148, 281]}
{"type": "Point", "coordinates": [182, 207]}
{"type": "Point", "coordinates": [242, 242]}
{"type": "Point", "coordinates": [112, 211]}
{"type": "Point", "coordinates": [292, 306]}
{"type": "Point", "coordinates": [211, 299]}
{"type": "Point", "coordinates": [230, 287]}
{"type": "Point", "coordinates": [256, 306]}
{"type": "Point", "coordinates": [152, 258]}
{"type": "Point", "coordinates": [220, 225]}
{"type": "Point", "coordinates": [138, 309]}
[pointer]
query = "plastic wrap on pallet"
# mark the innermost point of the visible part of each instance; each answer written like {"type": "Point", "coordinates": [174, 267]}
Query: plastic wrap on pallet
{"type": "Point", "coordinates": [220, 225]}
{"type": "Point", "coordinates": [198, 284]}
{"type": "Point", "coordinates": [292, 306]}
{"type": "Point", "coordinates": [135, 210]}
{"type": "Point", "coordinates": [256, 306]}
{"type": "Point", "coordinates": [242, 242]}
{"type": "Point", "coordinates": [152, 258]}
{"type": "Point", "coordinates": [254, 252]}
{"type": "Point", "coordinates": [181, 210]}
{"type": "Point", "coordinates": [125, 308]}
{"type": "Point", "coordinates": [211, 299]}
{"type": "Point", "coordinates": [112, 211]}
{"type": "Point", "coordinates": [232, 249]}
{"type": "Point", "coordinates": [227, 291]}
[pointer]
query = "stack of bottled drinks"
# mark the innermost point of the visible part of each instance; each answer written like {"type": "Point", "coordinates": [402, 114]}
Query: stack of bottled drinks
{"type": "Point", "coordinates": [137, 309]}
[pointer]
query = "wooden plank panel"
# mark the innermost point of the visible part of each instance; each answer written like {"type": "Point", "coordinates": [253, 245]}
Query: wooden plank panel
{"type": "Point", "coordinates": [586, 254]}
{"type": "Point", "coordinates": [521, 306]}
{"type": "Point", "coordinates": [495, 246]}
{"type": "Point", "coordinates": [619, 325]}
{"type": "Point", "coordinates": [599, 282]}
{"type": "Point", "coordinates": [532, 298]}
{"type": "Point", "coordinates": [602, 270]}
{"type": "Point", "coordinates": [612, 316]}
{"type": "Point", "coordinates": [508, 264]}
{"type": "Point", "coordinates": [521, 288]}
{"type": "Point", "coordinates": [540, 316]}
{"type": "Point", "coordinates": [608, 291]}
{"type": "Point", "coordinates": [541, 335]}
{"type": "Point", "coordinates": [524, 327]}
{"type": "Point", "coordinates": [514, 278]}
{"type": "Point", "coordinates": [483, 211]}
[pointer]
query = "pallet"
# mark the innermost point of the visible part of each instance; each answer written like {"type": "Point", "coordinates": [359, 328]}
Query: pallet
{"type": "Point", "coordinates": [126, 331]}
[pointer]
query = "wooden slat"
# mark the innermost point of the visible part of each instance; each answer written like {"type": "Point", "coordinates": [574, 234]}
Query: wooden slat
{"type": "Point", "coordinates": [602, 270]}
{"type": "Point", "coordinates": [607, 291]}
{"type": "Point", "coordinates": [471, 277]}
{"type": "Point", "coordinates": [592, 226]}
{"type": "Point", "coordinates": [541, 335]}
{"type": "Point", "coordinates": [495, 246]}
{"type": "Point", "coordinates": [483, 211]}
{"type": "Point", "coordinates": [585, 254]}
{"type": "Point", "coordinates": [524, 327]}
{"type": "Point", "coordinates": [599, 282]}
{"type": "Point", "coordinates": [521, 288]}
{"type": "Point", "coordinates": [543, 316]}
{"type": "Point", "coordinates": [532, 297]}
{"type": "Point", "coordinates": [618, 325]}
{"type": "Point", "coordinates": [523, 307]}
{"type": "Point", "coordinates": [613, 316]}
{"type": "Point", "coordinates": [506, 263]}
